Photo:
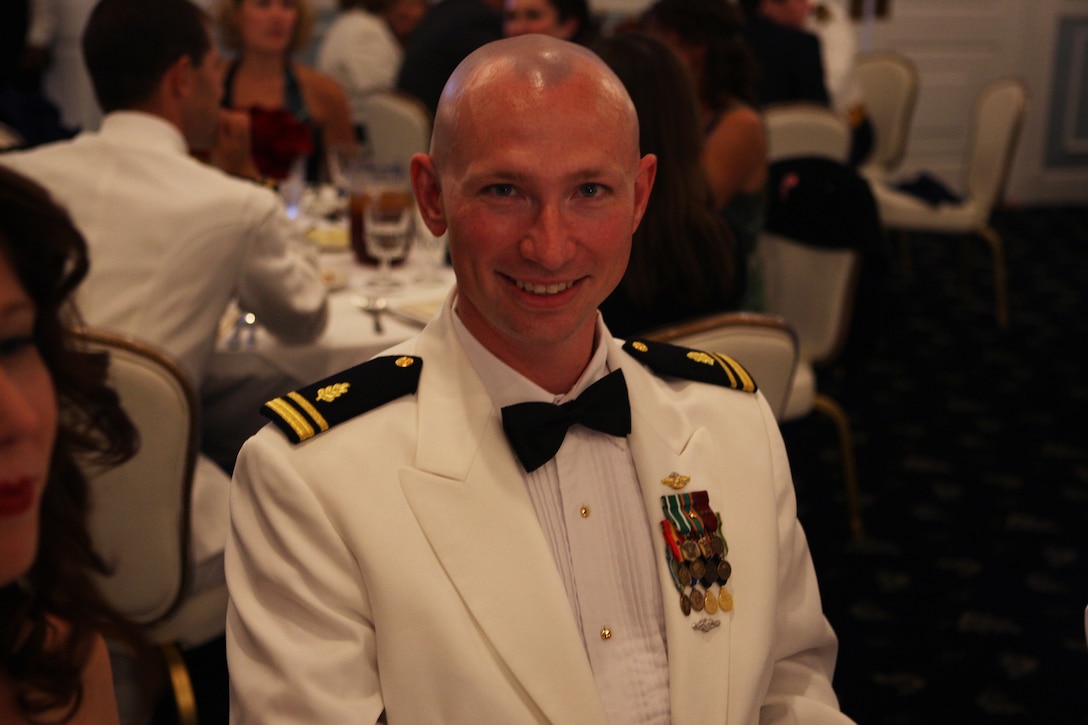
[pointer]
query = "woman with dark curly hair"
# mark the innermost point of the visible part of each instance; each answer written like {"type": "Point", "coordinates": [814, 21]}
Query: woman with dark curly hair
{"type": "Point", "coordinates": [708, 36]}
{"type": "Point", "coordinates": [56, 414]}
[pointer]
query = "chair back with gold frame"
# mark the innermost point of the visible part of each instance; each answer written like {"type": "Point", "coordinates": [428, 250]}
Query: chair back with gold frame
{"type": "Point", "coordinates": [764, 344]}
{"type": "Point", "coordinates": [889, 83]}
{"type": "Point", "coordinates": [140, 518]}
{"type": "Point", "coordinates": [140, 521]}
{"type": "Point", "coordinates": [996, 121]}
{"type": "Point", "coordinates": [397, 125]}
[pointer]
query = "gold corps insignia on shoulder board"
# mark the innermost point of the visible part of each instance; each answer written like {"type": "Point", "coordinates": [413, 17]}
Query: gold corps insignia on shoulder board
{"type": "Point", "coordinates": [331, 392]}
{"type": "Point", "coordinates": [700, 357]}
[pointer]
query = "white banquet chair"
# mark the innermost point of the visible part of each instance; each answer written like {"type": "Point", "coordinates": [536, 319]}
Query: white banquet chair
{"type": "Point", "coordinates": [800, 129]}
{"type": "Point", "coordinates": [141, 510]}
{"type": "Point", "coordinates": [889, 83]}
{"type": "Point", "coordinates": [398, 126]}
{"type": "Point", "coordinates": [995, 129]}
{"type": "Point", "coordinates": [813, 289]}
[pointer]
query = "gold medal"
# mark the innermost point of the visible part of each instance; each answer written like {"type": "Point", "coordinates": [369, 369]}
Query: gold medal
{"type": "Point", "coordinates": [706, 547]}
{"type": "Point", "coordinates": [710, 602]}
{"type": "Point", "coordinates": [698, 599]}
{"type": "Point", "coordinates": [725, 600]}
{"type": "Point", "coordinates": [690, 550]}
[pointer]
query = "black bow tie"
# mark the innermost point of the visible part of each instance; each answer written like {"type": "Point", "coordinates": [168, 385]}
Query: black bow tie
{"type": "Point", "coordinates": [536, 430]}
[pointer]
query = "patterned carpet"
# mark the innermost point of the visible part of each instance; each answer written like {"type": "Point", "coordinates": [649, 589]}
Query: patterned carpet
{"type": "Point", "coordinates": [966, 601]}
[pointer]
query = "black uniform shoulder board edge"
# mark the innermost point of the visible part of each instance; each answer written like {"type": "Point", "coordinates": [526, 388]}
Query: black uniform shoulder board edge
{"type": "Point", "coordinates": [682, 362]}
{"type": "Point", "coordinates": [306, 412]}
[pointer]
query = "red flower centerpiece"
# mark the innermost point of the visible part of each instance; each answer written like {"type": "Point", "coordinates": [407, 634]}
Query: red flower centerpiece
{"type": "Point", "coordinates": [278, 140]}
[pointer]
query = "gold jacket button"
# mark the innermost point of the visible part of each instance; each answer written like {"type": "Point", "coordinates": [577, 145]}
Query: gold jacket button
{"type": "Point", "coordinates": [606, 633]}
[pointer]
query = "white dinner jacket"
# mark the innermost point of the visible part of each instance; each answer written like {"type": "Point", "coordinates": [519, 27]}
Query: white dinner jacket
{"type": "Point", "coordinates": [395, 562]}
{"type": "Point", "coordinates": [172, 240]}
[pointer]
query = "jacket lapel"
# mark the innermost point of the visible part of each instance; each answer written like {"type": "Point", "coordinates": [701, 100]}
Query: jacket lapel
{"type": "Point", "coordinates": [468, 495]}
{"type": "Point", "coordinates": [664, 441]}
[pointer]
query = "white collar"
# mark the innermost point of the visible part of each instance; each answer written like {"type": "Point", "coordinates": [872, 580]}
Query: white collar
{"type": "Point", "coordinates": [507, 386]}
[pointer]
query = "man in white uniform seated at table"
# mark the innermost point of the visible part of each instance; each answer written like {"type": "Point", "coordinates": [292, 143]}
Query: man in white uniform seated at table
{"type": "Point", "coordinates": [422, 539]}
{"type": "Point", "coordinates": [172, 240]}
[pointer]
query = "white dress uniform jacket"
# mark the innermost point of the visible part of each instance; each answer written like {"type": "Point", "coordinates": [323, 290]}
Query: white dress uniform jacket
{"type": "Point", "coordinates": [395, 563]}
{"type": "Point", "coordinates": [171, 241]}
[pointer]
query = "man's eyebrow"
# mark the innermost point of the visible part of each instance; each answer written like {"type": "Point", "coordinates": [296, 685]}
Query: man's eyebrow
{"type": "Point", "coordinates": [507, 174]}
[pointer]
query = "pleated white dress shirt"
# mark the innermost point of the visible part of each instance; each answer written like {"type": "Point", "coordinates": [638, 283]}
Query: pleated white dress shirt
{"type": "Point", "coordinates": [590, 508]}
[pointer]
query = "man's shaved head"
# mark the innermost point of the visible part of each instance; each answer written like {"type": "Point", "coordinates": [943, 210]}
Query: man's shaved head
{"type": "Point", "coordinates": [506, 72]}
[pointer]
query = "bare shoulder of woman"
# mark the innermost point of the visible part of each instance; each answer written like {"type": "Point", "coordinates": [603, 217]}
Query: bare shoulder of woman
{"type": "Point", "coordinates": [98, 705]}
{"type": "Point", "coordinates": [99, 702]}
{"type": "Point", "coordinates": [327, 102]}
{"type": "Point", "coordinates": [742, 122]}
{"type": "Point", "coordinates": [321, 88]}
{"type": "Point", "coordinates": [735, 154]}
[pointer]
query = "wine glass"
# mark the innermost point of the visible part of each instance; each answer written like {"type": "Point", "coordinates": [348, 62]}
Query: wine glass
{"type": "Point", "coordinates": [292, 188]}
{"type": "Point", "coordinates": [433, 251]}
{"type": "Point", "coordinates": [344, 165]}
{"type": "Point", "coordinates": [389, 223]}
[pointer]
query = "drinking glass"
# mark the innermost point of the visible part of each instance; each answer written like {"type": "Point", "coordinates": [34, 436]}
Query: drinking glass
{"type": "Point", "coordinates": [388, 221]}
{"type": "Point", "coordinates": [433, 251]}
{"type": "Point", "coordinates": [344, 163]}
{"type": "Point", "coordinates": [293, 186]}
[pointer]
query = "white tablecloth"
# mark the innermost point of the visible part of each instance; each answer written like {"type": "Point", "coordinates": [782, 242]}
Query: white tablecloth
{"type": "Point", "coordinates": [350, 337]}
{"type": "Point", "coordinates": [242, 378]}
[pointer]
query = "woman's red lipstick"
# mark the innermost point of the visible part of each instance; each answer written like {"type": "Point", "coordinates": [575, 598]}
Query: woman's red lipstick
{"type": "Point", "coordinates": [16, 497]}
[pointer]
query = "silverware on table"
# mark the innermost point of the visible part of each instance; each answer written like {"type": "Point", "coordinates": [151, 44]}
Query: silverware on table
{"type": "Point", "coordinates": [379, 306]}
{"type": "Point", "coordinates": [374, 306]}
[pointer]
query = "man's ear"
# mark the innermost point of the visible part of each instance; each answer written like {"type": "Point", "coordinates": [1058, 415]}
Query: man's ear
{"type": "Point", "coordinates": [644, 184]}
{"type": "Point", "coordinates": [178, 80]}
{"type": "Point", "coordinates": [428, 193]}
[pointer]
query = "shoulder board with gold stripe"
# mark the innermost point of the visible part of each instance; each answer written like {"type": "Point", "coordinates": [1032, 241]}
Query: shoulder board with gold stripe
{"type": "Point", "coordinates": [304, 413]}
{"type": "Point", "coordinates": [681, 362]}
